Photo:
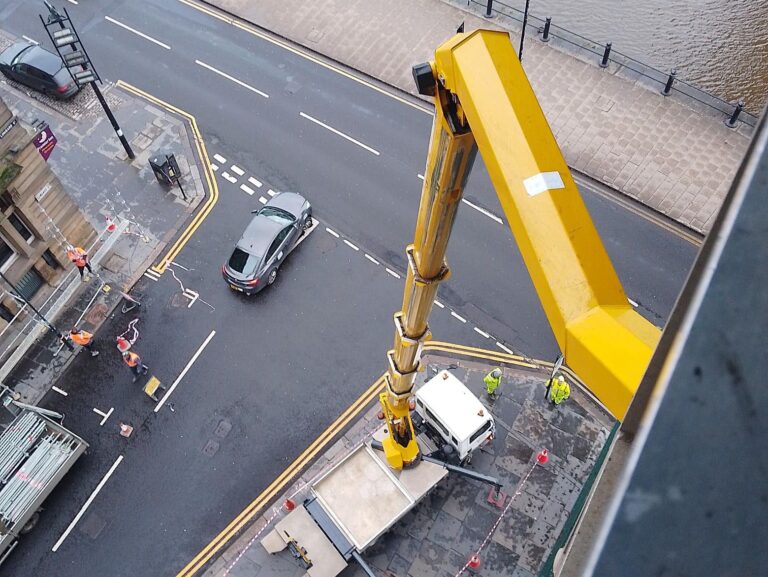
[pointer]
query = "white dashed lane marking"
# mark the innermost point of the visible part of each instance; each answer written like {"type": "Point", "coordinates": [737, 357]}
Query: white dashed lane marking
{"type": "Point", "coordinates": [350, 245]}
{"type": "Point", "coordinates": [332, 232]}
{"type": "Point", "coordinates": [247, 189]}
{"type": "Point", "coordinates": [145, 36]}
{"type": "Point", "coordinates": [262, 200]}
{"type": "Point", "coordinates": [28, 39]}
{"type": "Point", "coordinates": [232, 78]}
{"type": "Point", "coordinates": [482, 333]}
{"type": "Point", "coordinates": [505, 349]}
{"type": "Point", "coordinates": [339, 133]}
{"type": "Point", "coordinates": [237, 170]}
{"type": "Point", "coordinates": [441, 305]}
{"type": "Point", "coordinates": [254, 182]}
{"type": "Point", "coordinates": [391, 272]}
{"type": "Point", "coordinates": [214, 167]}
{"type": "Point", "coordinates": [370, 258]}
{"type": "Point", "coordinates": [220, 158]}
{"type": "Point", "coordinates": [229, 177]}
{"type": "Point", "coordinates": [459, 317]}
{"type": "Point", "coordinates": [271, 192]}
{"type": "Point", "coordinates": [60, 391]}
{"type": "Point", "coordinates": [633, 303]}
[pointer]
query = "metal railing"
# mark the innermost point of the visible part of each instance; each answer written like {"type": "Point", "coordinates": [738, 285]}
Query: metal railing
{"type": "Point", "coordinates": [604, 54]}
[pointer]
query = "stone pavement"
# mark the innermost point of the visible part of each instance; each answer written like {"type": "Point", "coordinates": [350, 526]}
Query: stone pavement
{"type": "Point", "coordinates": [438, 535]}
{"type": "Point", "coordinates": [673, 155]}
{"type": "Point", "coordinates": [93, 167]}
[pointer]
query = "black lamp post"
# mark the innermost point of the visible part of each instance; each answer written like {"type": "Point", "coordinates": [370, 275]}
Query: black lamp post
{"type": "Point", "coordinates": [78, 63]}
{"type": "Point", "coordinates": [50, 325]}
{"type": "Point", "coordinates": [522, 34]}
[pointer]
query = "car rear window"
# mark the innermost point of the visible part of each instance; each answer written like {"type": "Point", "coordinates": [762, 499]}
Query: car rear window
{"type": "Point", "coordinates": [238, 260]}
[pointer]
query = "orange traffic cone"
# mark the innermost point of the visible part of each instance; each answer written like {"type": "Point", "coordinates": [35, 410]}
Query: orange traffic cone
{"type": "Point", "coordinates": [289, 504]}
{"type": "Point", "coordinates": [125, 430]}
{"type": "Point", "coordinates": [474, 561]}
{"type": "Point", "coordinates": [111, 226]}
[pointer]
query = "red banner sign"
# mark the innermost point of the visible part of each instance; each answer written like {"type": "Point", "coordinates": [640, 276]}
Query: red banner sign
{"type": "Point", "coordinates": [45, 141]}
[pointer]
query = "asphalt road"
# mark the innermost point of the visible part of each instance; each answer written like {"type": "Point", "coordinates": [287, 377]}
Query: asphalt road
{"type": "Point", "coordinates": [280, 367]}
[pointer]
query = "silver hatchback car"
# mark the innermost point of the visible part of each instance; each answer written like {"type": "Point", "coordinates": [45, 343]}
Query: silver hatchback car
{"type": "Point", "coordinates": [267, 240]}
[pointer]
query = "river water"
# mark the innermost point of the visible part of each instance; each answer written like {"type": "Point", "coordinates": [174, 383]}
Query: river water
{"type": "Point", "coordinates": [720, 46]}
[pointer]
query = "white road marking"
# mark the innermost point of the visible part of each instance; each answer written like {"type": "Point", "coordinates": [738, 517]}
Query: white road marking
{"type": "Point", "coordinates": [370, 258]}
{"type": "Point", "coordinates": [334, 233]}
{"type": "Point", "coordinates": [482, 333]}
{"type": "Point", "coordinates": [633, 303]}
{"type": "Point", "coordinates": [184, 372]}
{"type": "Point", "coordinates": [254, 182]}
{"type": "Point", "coordinates": [393, 273]}
{"type": "Point", "coordinates": [220, 158]}
{"type": "Point", "coordinates": [421, 176]}
{"type": "Point", "coordinates": [87, 504]}
{"type": "Point", "coordinates": [192, 296]}
{"type": "Point", "coordinates": [441, 305]}
{"type": "Point", "coordinates": [73, 2]}
{"type": "Point", "coordinates": [232, 78]}
{"type": "Point", "coordinates": [462, 319]}
{"type": "Point", "coordinates": [58, 390]}
{"type": "Point", "coordinates": [214, 167]}
{"type": "Point", "coordinates": [350, 245]}
{"type": "Point", "coordinates": [229, 177]}
{"type": "Point", "coordinates": [503, 348]}
{"type": "Point", "coordinates": [28, 39]}
{"type": "Point", "coordinates": [271, 192]}
{"type": "Point", "coordinates": [262, 200]}
{"type": "Point", "coordinates": [181, 266]}
{"type": "Point", "coordinates": [149, 276]}
{"type": "Point", "coordinates": [482, 210]}
{"type": "Point", "coordinates": [247, 189]}
{"type": "Point", "coordinates": [118, 23]}
{"type": "Point", "coordinates": [237, 170]}
{"type": "Point", "coordinates": [339, 133]}
{"type": "Point", "coordinates": [105, 415]}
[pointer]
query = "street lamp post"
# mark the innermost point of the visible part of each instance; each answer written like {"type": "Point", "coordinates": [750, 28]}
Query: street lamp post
{"type": "Point", "coordinates": [78, 57]}
{"type": "Point", "coordinates": [50, 325]}
{"type": "Point", "coordinates": [522, 35]}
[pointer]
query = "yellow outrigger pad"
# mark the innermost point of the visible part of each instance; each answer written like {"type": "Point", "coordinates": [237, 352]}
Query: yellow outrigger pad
{"type": "Point", "coordinates": [151, 387]}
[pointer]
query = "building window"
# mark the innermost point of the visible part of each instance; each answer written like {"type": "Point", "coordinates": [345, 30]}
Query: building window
{"type": "Point", "coordinates": [21, 228]}
{"type": "Point", "coordinates": [6, 254]}
{"type": "Point", "coordinates": [5, 313]}
{"type": "Point", "coordinates": [29, 284]}
{"type": "Point", "coordinates": [5, 201]}
{"type": "Point", "coordinates": [50, 260]}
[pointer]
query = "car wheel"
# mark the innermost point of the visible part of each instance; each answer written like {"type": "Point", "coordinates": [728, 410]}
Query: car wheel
{"type": "Point", "coordinates": [307, 222]}
{"type": "Point", "coordinates": [272, 276]}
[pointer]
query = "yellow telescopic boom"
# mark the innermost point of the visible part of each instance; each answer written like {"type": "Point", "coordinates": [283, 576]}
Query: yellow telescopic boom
{"type": "Point", "coordinates": [484, 101]}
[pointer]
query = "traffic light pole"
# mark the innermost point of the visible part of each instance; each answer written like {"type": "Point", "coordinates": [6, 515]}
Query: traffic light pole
{"type": "Point", "coordinates": [37, 312]}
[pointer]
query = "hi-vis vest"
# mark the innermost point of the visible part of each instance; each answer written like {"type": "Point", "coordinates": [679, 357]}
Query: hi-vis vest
{"type": "Point", "coordinates": [131, 359]}
{"type": "Point", "coordinates": [559, 390]}
{"type": "Point", "coordinates": [81, 338]}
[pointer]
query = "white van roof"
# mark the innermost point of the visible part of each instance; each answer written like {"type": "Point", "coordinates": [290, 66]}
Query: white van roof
{"type": "Point", "coordinates": [460, 410]}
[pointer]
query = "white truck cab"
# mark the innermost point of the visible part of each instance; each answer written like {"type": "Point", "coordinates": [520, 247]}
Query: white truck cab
{"type": "Point", "coordinates": [452, 411]}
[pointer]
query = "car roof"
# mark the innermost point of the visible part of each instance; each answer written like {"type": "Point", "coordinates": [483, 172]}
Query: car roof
{"type": "Point", "coordinates": [42, 59]}
{"type": "Point", "coordinates": [259, 234]}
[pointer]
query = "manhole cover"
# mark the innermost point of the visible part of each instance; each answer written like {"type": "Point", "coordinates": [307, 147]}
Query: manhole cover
{"type": "Point", "coordinates": [210, 448]}
{"type": "Point", "coordinates": [223, 429]}
{"type": "Point", "coordinates": [97, 314]}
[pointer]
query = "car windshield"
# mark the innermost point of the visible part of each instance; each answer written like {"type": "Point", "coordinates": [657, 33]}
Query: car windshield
{"type": "Point", "coordinates": [276, 214]}
{"type": "Point", "coordinates": [18, 57]}
{"type": "Point", "coordinates": [243, 262]}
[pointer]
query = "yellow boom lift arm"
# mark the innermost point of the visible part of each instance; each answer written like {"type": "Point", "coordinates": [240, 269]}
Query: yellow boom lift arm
{"type": "Point", "coordinates": [483, 100]}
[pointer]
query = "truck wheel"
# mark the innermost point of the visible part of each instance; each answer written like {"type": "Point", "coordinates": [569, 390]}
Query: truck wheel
{"type": "Point", "coordinates": [29, 525]}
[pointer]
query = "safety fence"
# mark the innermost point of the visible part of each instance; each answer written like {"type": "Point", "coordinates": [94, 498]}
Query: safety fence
{"type": "Point", "coordinates": [667, 82]}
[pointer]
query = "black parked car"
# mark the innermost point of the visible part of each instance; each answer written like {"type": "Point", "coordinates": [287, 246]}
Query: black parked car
{"type": "Point", "coordinates": [28, 64]}
{"type": "Point", "coordinates": [267, 240]}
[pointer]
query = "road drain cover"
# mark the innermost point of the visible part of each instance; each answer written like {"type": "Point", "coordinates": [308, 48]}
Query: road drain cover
{"type": "Point", "coordinates": [210, 448]}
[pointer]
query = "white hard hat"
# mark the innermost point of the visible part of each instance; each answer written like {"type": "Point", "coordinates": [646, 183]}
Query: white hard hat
{"type": "Point", "coordinates": [496, 372]}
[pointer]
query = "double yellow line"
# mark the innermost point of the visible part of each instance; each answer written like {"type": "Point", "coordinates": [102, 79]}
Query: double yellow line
{"type": "Point", "coordinates": [213, 187]}
{"type": "Point", "coordinates": [305, 458]}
